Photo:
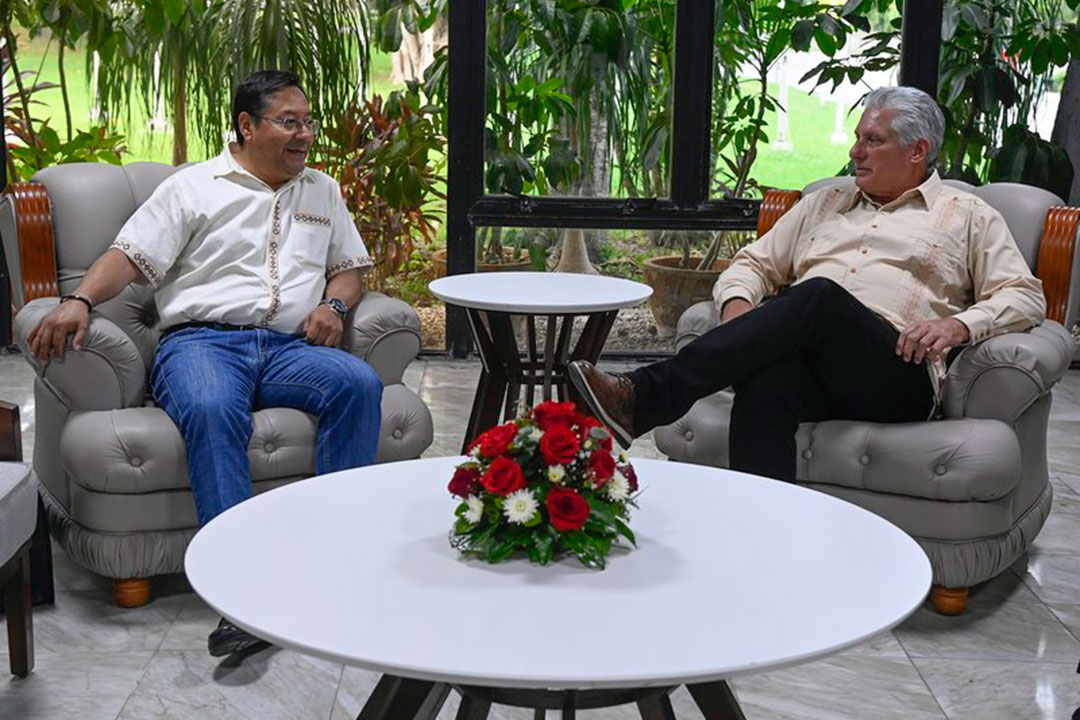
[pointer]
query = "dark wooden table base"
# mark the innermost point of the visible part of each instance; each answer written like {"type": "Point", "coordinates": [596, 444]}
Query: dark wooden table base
{"type": "Point", "coordinates": [397, 698]}
{"type": "Point", "coordinates": [508, 369]}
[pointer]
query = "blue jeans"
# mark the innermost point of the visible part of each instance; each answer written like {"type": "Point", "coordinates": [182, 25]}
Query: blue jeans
{"type": "Point", "coordinates": [209, 381]}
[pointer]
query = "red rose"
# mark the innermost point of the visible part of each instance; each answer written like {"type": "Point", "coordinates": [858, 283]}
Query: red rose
{"type": "Point", "coordinates": [631, 477]}
{"type": "Point", "coordinates": [567, 509]}
{"type": "Point", "coordinates": [585, 430]}
{"type": "Point", "coordinates": [497, 440]}
{"type": "Point", "coordinates": [559, 445]}
{"type": "Point", "coordinates": [465, 482]}
{"type": "Point", "coordinates": [602, 465]}
{"type": "Point", "coordinates": [552, 414]}
{"type": "Point", "coordinates": [503, 477]}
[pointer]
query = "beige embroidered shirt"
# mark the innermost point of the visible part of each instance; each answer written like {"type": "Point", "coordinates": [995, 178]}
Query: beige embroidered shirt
{"type": "Point", "coordinates": [934, 252]}
{"type": "Point", "coordinates": [218, 244]}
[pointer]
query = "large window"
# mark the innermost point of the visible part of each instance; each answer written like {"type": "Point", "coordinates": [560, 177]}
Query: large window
{"type": "Point", "coordinates": [633, 122]}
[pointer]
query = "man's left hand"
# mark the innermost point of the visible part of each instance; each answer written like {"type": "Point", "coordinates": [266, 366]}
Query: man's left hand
{"type": "Point", "coordinates": [931, 339]}
{"type": "Point", "coordinates": [323, 326]}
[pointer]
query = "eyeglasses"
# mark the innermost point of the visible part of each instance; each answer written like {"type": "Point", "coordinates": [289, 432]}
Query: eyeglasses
{"type": "Point", "coordinates": [292, 125]}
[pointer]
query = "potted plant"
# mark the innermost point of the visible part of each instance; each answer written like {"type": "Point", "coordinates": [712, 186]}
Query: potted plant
{"type": "Point", "coordinates": [381, 153]}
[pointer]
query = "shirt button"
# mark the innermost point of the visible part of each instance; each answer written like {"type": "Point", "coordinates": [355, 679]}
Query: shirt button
{"type": "Point", "coordinates": [865, 251]}
{"type": "Point", "coordinates": [808, 454]}
{"type": "Point", "coordinates": [853, 270]}
{"type": "Point", "coordinates": [874, 225]}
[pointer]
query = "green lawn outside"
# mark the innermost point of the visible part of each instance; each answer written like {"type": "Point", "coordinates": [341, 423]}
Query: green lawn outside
{"type": "Point", "coordinates": [813, 156]}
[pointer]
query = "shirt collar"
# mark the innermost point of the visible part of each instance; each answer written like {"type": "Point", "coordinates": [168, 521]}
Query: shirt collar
{"type": "Point", "coordinates": [929, 191]}
{"type": "Point", "coordinates": [227, 164]}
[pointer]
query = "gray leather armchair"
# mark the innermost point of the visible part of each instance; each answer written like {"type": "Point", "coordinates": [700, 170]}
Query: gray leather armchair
{"type": "Point", "coordinates": [112, 466]}
{"type": "Point", "coordinates": [972, 488]}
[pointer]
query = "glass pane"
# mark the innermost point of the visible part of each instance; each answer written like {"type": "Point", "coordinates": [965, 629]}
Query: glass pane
{"type": "Point", "coordinates": [771, 126]}
{"type": "Point", "coordinates": [578, 98]}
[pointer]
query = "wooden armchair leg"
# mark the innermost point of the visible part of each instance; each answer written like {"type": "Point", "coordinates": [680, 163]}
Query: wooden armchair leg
{"type": "Point", "coordinates": [132, 592]}
{"type": "Point", "coordinates": [949, 601]}
{"type": "Point", "coordinates": [20, 620]}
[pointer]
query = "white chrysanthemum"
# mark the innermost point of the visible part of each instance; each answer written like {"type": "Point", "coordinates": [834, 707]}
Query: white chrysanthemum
{"type": "Point", "coordinates": [535, 434]}
{"type": "Point", "coordinates": [519, 506]}
{"type": "Point", "coordinates": [618, 487]}
{"type": "Point", "coordinates": [556, 473]}
{"type": "Point", "coordinates": [475, 511]}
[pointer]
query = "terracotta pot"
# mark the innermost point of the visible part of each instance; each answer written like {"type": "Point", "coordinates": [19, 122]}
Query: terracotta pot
{"type": "Point", "coordinates": [675, 289]}
{"type": "Point", "coordinates": [438, 263]}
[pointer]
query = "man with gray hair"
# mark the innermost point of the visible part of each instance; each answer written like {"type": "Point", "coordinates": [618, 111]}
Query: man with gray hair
{"type": "Point", "coordinates": [871, 285]}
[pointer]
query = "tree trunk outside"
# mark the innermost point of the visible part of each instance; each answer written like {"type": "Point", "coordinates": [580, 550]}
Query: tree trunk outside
{"type": "Point", "coordinates": [63, 74]}
{"type": "Point", "coordinates": [179, 112]}
{"type": "Point", "coordinates": [598, 161]}
{"type": "Point", "coordinates": [1067, 124]}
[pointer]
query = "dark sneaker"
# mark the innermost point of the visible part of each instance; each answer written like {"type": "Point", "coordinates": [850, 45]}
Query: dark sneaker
{"type": "Point", "coordinates": [609, 397]}
{"type": "Point", "coordinates": [228, 639]}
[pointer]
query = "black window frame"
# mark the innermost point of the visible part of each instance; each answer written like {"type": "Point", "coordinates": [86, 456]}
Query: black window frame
{"type": "Point", "coordinates": [688, 205]}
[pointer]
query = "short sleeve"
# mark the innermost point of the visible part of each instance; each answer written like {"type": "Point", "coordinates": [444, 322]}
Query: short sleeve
{"type": "Point", "coordinates": [347, 249]}
{"type": "Point", "coordinates": [154, 235]}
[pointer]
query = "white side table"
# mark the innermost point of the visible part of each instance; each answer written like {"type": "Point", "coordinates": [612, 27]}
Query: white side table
{"type": "Point", "coordinates": [733, 575]}
{"type": "Point", "coordinates": [560, 297]}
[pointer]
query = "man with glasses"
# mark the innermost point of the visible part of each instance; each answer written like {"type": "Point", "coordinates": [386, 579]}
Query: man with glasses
{"type": "Point", "coordinates": [255, 263]}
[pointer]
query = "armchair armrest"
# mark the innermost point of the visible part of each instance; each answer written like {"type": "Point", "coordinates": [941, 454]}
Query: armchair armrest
{"type": "Point", "coordinates": [109, 372]}
{"type": "Point", "coordinates": [695, 321]}
{"type": "Point", "coordinates": [1001, 377]}
{"type": "Point", "coordinates": [385, 333]}
{"type": "Point", "coordinates": [26, 217]}
{"type": "Point", "coordinates": [1057, 266]}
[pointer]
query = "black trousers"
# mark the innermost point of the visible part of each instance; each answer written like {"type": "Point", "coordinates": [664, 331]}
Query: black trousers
{"type": "Point", "coordinates": [812, 353]}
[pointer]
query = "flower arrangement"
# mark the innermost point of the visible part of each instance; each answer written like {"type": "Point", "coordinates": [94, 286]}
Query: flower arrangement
{"type": "Point", "coordinates": [544, 483]}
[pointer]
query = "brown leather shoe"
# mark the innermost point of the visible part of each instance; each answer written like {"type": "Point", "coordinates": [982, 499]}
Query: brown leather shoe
{"type": "Point", "coordinates": [610, 397]}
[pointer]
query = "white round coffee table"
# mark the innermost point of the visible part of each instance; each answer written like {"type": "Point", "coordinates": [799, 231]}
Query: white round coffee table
{"type": "Point", "coordinates": [733, 574]}
{"type": "Point", "coordinates": [492, 298]}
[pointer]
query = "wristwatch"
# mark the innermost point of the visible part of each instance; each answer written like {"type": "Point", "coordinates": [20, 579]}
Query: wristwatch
{"type": "Point", "coordinates": [337, 305]}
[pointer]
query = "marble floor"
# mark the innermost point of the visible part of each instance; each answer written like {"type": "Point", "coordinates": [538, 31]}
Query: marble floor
{"type": "Point", "coordinates": [1012, 656]}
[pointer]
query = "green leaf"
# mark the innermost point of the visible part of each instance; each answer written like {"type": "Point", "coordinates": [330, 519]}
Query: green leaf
{"type": "Point", "coordinates": [801, 35]}
{"type": "Point", "coordinates": [624, 530]}
{"type": "Point", "coordinates": [1040, 59]}
{"type": "Point", "coordinates": [501, 550]}
{"type": "Point", "coordinates": [154, 17]}
{"type": "Point", "coordinates": [174, 10]}
{"type": "Point", "coordinates": [825, 42]}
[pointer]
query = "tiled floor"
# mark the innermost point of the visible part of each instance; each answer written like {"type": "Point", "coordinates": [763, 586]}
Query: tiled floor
{"type": "Point", "coordinates": [1013, 655]}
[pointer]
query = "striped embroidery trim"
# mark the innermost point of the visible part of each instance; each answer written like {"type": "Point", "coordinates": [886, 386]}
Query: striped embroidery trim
{"type": "Point", "coordinates": [361, 262]}
{"type": "Point", "coordinates": [140, 260]}
{"type": "Point", "coordinates": [311, 219]}
{"type": "Point", "coordinates": [272, 259]}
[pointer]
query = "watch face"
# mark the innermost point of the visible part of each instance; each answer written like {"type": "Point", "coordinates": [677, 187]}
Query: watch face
{"type": "Point", "coordinates": [337, 305]}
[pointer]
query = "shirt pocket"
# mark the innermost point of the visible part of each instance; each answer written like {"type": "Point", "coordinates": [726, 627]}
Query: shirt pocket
{"type": "Point", "coordinates": [309, 244]}
{"type": "Point", "coordinates": [938, 262]}
{"type": "Point", "coordinates": [822, 243]}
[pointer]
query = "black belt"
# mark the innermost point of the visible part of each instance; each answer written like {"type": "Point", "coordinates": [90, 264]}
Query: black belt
{"type": "Point", "coordinates": [203, 324]}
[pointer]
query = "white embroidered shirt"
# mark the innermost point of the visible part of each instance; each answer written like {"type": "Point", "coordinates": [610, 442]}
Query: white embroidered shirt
{"type": "Point", "coordinates": [219, 245]}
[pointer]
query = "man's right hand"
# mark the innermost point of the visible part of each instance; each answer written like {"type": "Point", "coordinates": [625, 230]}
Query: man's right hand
{"type": "Point", "coordinates": [50, 336]}
{"type": "Point", "coordinates": [733, 308]}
